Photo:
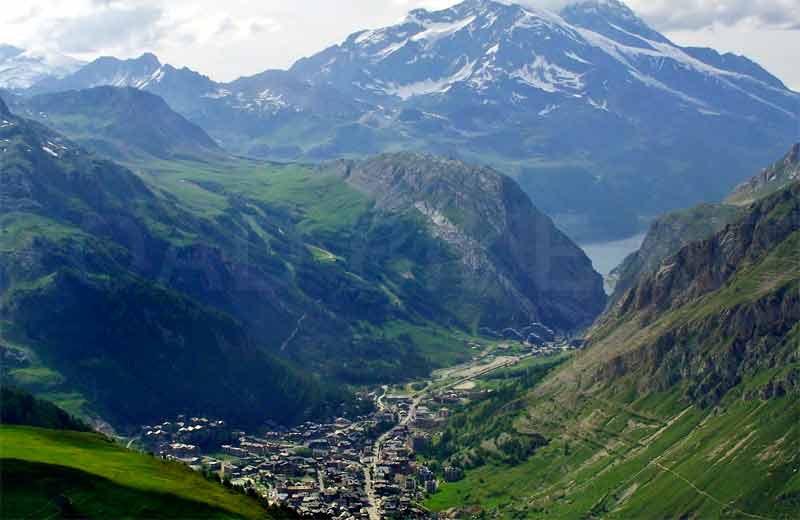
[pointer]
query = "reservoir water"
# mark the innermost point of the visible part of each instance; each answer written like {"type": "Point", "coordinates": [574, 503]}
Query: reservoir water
{"type": "Point", "coordinates": [606, 256]}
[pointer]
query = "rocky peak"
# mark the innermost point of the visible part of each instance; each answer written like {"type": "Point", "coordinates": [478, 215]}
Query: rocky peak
{"type": "Point", "coordinates": [149, 59]}
{"type": "Point", "coordinates": [793, 157]}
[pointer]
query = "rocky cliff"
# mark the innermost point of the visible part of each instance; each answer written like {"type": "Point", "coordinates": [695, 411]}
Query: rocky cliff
{"type": "Point", "coordinates": [670, 232]}
{"type": "Point", "coordinates": [512, 256]}
{"type": "Point", "coordinates": [717, 311]}
{"type": "Point", "coordinates": [771, 179]}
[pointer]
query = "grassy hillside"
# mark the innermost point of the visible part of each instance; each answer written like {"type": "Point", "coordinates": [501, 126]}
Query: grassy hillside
{"type": "Point", "coordinates": [683, 405]}
{"type": "Point", "coordinates": [54, 473]}
{"type": "Point", "coordinates": [259, 261]}
{"type": "Point", "coordinates": [107, 296]}
{"type": "Point", "coordinates": [120, 123]}
{"type": "Point", "coordinates": [265, 283]}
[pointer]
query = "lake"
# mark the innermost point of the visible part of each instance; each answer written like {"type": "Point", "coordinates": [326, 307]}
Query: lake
{"type": "Point", "coordinates": [606, 256]}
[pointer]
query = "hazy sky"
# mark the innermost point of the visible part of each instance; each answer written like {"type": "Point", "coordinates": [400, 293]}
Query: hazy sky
{"type": "Point", "coordinates": [230, 38]}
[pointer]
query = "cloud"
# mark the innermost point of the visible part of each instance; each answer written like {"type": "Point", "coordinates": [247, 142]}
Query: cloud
{"type": "Point", "coordinates": [670, 15]}
{"type": "Point", "coordinates": [110, 25]}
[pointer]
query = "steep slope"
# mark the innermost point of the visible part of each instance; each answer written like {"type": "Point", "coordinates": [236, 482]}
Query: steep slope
{"type": "Point", "coordinates": [588, 108]}
{"type": "Point", "coordinates": [512, 255]}
{"type": "Point", "coordinates": [119, 123]}
{"type": "Point", "coordinates": [21, 69]}
{"type": "Point", "coordinates": [684, 403]}
{"type": "Point", "coordinates": [84, 251]}
{"type": "Point", "coordinates": [669, 233]}
{"type": "Point", "coordinates": [666, 236]}
{"type": "Point", "coordinates": [314, 268]}
{"type": "Point", "coordinates": [770, 180]}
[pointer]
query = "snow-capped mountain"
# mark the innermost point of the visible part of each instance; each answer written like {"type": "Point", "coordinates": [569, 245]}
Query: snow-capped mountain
{"type": "Point", "coordinates": [603, 120]}
{"type": "Point", "coordinates": [595, 53]}
{"type": "Point", "coordinates": [20, 69]}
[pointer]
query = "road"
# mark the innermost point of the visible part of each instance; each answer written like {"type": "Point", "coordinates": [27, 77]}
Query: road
{"type": "Point", "coordinates": [369, 471]}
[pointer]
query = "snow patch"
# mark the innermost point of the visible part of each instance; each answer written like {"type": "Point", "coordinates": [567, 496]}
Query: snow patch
{"type": "Point", "coordinates": [571, 55]}
{"type": "Point", "coordinates": [547, 76]}
{"type": "Point", "coordinates": [391, 49]}
{"type": "Point", "coordinates": [218, 94]}
{"type": "Point", "coordinates": [548, 109]}
{"type": "Point", "coordinates": [49, 150]}
{"type": "Point", "coordinates": [430, 86]}
{"type": "Point", "coordinates": [599, 106]}
{"type": "Point", "coordinates": [436, 31]}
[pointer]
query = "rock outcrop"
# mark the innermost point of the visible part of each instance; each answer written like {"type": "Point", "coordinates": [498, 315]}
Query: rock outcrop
{"type": "Point", "coordinates": [510, 252]}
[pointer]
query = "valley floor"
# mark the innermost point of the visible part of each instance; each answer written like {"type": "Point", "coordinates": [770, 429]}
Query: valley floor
{"type": "Point", "coordinates": [365, 468]}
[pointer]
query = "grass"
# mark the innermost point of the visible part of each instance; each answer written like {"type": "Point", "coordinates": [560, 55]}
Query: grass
{"type": "Point", "coordinates": [104, 480]}
{"type": "Point", "coordinates": [35, 377]}
{"type": "Point", "coordinates": [440, 346]}
{"type": "Point", "coordinates": [737, 462]}
{"type": "Point", "coordinates": [18, 229]}
{"type": "Point", "coordinates": [320, 204]}
{"type": "Point", "coordinates": [73, 403]}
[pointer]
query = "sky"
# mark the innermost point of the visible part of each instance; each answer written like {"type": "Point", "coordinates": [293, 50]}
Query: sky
{"type": "Point", "coordinates": [232, 38]}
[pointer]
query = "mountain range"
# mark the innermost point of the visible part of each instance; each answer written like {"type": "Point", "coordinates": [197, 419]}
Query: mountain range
{"type": "Point", "coordinates": [682, 404]}
{"type": "Point", "coordinates": [21, 69]}
{"type": "Point", "coordinates": [602, 120]}
{"type": "Point", "coordinates": [235, 270]}
{"type": "Point", "coordinates": [274, 249]}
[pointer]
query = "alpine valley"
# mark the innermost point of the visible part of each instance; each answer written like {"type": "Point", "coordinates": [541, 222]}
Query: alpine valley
{"type": "Point", "coordinates": [352, 289]}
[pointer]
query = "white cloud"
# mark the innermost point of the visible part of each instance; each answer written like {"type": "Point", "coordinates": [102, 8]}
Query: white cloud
{"type": "Point", "coordinates": [699, 14]}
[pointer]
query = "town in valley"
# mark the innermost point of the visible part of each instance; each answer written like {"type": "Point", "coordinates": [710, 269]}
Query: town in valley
{"type": "Point", "coordinates": [353, 468]}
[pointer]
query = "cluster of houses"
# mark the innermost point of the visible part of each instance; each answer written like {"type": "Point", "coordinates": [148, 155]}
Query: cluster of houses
{"type": "Point", "coordinates": [187, 438]}
{"type": "Point", "coordinates": [359, 469]}
{"type": "Point", "coordinates": [319, 470]}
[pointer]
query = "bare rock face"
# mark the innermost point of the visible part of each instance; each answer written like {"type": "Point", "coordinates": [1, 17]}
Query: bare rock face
{"type": "Point", "coordinates": [703, 267]}
{"type": "Point", "coordinates": [719, 312]}
{"type": "Point", "coordinates": [771, 179]}
{"type": "Point", "coordinates": [670, 232]}
{"type": "Point", "coordinates": [510, 253]}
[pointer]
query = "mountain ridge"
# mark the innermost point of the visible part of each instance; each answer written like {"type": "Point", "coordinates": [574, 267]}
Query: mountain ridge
{"type": "Point", "coordinates": [503, 240]}
{"type": "Point", "coordinates": [261, 268]}
{"type": "Point", "coordinates": [587, 108]}
{"type": "Point", "coordinates": [670, 232]}
{"type": "Point", "coordinates": [21, 69]}
{"type": "Point", "coordinates": [682, 403]}
{"type": "Point", "coordinates": [119, 122]}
